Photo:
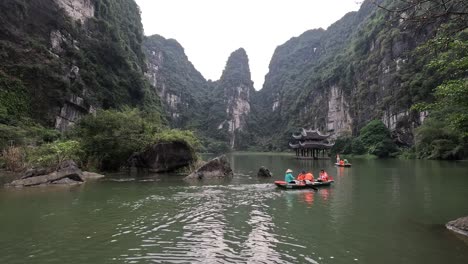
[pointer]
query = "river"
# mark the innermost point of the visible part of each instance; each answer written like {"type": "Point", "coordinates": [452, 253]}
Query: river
{"type": "Point", "coordinates": [378, 211]}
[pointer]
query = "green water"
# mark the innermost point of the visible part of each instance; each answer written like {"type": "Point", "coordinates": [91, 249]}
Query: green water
{"type": "Point", "coordinates": [378, 211]}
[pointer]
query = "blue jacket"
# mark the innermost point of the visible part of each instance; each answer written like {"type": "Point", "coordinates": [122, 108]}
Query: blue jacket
{"type": "Point", "coordinates": [288, 177]}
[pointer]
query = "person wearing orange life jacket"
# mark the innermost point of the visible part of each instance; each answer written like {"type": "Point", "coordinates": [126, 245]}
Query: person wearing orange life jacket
{"type": "Point", "coordinates": [323, 176]}
{"type": "Point", "coordinates": [301, 176]}
{"type": "Point", "coordinates": [342, 162]}
{"type": "Point", "coordinates": [309, 177]}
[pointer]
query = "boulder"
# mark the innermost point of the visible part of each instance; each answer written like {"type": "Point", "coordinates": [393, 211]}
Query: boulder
{"type": "Point", "coordinates": [163, 157]}
{"type": "Point", "coordinates": [459, 225]}
{"type": "Point", "coordinates": [67, 170]}
{"type": "Point", "coordinates": [264, 172]}
{"type": "Point", "coordinates": [91, 176]}
{"type": "Point", "coordinates": [34, 172]}
{"type": "Point", "coordinates": [216, 168]}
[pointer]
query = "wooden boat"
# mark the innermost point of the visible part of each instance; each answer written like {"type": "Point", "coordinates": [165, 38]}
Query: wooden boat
{"type": "Point", "coordinates": [285, 185]}
{"type": "Point", "coordinates": [319, 184]}
{"type": "Point", "coordinates": [344, 165]}
{"type": "Point", "coordinates": [313, 185]}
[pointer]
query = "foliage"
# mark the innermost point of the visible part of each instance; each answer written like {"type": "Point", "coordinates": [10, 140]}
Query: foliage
{"type": "Point", "coordinates": [36, 79]}
{"type": "Point", "coordinates": [445, 134]}
{"type": "Point", "coordinates": [436, 140]}
{"type": "Point", "coordinates": [358, 147]}
{"type": "Point", "coordinates": [110, 137]}
{"type": "Point", "coordinates": [217, 147]}
{"type": "Point", "coordinates": [25, 132]}
{"type": "Point", "coordinates": [376, 138]}
{"type": "Point", "coordinates": [426, 12]}
{"type": "Point", "coordinates": [343, 145]}
{"type": "Point", "coordinates": [51, 155]}
{"type": "Point", "coordinates": [178, 135]}
{"type": "Point", "coordinates": [13, 158]}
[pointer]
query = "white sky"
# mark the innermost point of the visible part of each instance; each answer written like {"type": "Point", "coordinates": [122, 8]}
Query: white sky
{"type": "Point", "coordinates": [209, 30]}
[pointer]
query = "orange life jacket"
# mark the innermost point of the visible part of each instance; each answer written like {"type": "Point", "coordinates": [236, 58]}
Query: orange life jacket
{"type": "Point", "coordinates": [309, 177]}
{"type": "Point", "coordinates": [341, 162]}
{"type": "Point", "coordinates": [300, 177]}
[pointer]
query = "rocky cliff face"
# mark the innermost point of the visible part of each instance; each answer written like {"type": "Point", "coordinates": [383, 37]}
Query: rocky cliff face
{"type": "Point", "coordinates": [237, 88]}
{"type": "Point", "coordinates": [180, 86]}
{"type": "Point", "coordinates": [339, 79]}
{"type": "Point", "coordinates": [218, 111]}
{"type": "Point", "coordinates": [338, 117]}
{"type": "Point", "coordinates": [79, 10]}
{"type": "Point", "coordinates": [68, 57]}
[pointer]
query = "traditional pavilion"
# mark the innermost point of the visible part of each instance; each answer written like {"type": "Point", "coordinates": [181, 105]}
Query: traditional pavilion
{"type": "Point", "coordinates": [310, 144]}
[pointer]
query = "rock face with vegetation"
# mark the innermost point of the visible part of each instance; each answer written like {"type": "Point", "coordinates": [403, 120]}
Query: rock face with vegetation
{"type": "Point", "coordinates": [62, 59]}
{"type": "Point", "coordinates": [235, 88]}
{"type": "Point", "coordinates": [164, 157]}
{"type": "Point", "coordinates": [368, 65]}
{"type": "Point", "coordinates": [216, 168]}
{"type": "Point", "coordinates": [182, 89]}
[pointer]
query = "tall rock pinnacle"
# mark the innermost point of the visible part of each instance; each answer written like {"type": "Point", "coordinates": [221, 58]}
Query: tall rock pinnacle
{"type": "Point", "coordinates": [238, 86]}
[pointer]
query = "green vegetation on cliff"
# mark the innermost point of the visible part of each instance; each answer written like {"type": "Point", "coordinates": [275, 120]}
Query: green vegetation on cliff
{"type": "Point", "coordinates": [374, 66]}
{"type": "Point", "coordinates": [373, 139]}
{"type": "Point", "coordinates": [46, 57]}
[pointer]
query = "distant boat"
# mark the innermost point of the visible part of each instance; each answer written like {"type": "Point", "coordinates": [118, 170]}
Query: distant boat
{"type": "Point", "coordinates": [344, 165]}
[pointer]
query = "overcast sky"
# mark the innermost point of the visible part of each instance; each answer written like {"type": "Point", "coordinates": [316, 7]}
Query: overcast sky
{"type": "Point", "coordinates": [209, 30]}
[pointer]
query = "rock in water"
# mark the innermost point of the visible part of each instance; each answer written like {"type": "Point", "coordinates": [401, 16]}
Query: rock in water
{"type": "Point", "coordinates": [34, 172]}
{"type": "Point", "coordinates": [459, 225]}
{"type": "Point", "coordinates": [264, 172]}
{"type": "Point", "coordinates": [163, 157]}
{"type": "Point", "coordinates": [91, 176]}
{"type": "Point", "coordinates": [216, 168]}
{"type": "Point", "coordinates": [68, 170]}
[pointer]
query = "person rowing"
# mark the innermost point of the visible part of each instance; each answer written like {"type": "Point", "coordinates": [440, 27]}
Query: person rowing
{"type": "Point", "coordinates": [288, 177]}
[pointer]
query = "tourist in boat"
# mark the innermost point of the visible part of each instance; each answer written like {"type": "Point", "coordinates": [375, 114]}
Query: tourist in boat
{"type": "Point", "coordinates": [342, 163]}
{"type": "Point", "coordinates": [289, 178]}
{"type": "Point", "coordinates": [346, 161]}
{"type": "Point", "coordinates": [323, 176]}
{"type": "Point", "coordinates": [301, 176]}
{"type": "Point", "coordinates": [309, 178]}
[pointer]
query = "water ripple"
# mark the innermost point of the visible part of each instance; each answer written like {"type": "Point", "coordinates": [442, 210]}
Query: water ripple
{"type": "Point", "coordinates": [213, 224]}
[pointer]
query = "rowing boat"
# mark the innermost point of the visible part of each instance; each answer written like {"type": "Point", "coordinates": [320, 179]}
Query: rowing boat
{"type": "Point", "coordinates": [285, 185]}
{"type": "Point", "coordinates": [343, 165]}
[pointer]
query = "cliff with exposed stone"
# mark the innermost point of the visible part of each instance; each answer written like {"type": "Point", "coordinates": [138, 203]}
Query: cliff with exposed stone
{"type": "Point", "coordinates": [339, 79]}
{"type": "Point", "coordinates": [180, 86]}
{"type": "Point", "coordinates": [63, 59]}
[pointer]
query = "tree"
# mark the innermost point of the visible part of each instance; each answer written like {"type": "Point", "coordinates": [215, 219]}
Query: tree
{"type": "Point", "coordinates": [110, 137]}
{"type": "Point", "coordinates": [425, 12]}
{"type": "Point", "coordinates": [376, 138]}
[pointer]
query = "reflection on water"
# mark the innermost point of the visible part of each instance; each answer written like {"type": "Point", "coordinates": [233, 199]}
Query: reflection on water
{"type": "Point", "coordinates": [375, 212]}
{"type": "Point", "coordinates": [308, 198]}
